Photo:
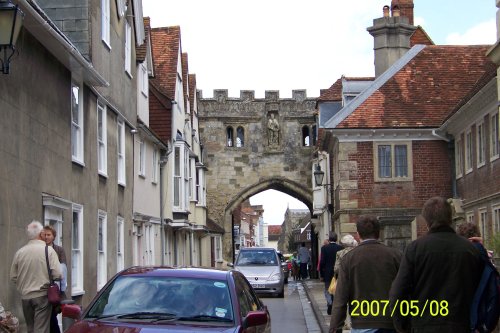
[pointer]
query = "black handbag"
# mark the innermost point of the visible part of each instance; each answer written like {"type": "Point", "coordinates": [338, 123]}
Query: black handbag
{"type": "Point", "coordinates": [53, 293]}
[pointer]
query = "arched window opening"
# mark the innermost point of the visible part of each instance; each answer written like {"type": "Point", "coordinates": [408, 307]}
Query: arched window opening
{"type": "Point", "coordinates": [240, 133]}
{"type": "Point", "coordinates": [305, 136]}
{"type": "Point", "coordinates": [314, 135]}
{"type": "Point", "coordinates": [229, 136]}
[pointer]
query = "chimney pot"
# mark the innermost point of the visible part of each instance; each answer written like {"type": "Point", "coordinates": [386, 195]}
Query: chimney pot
{"type": "Point", "coordinates": [396, 12]}
{"type": "Point", "coordinates": [386, 11]}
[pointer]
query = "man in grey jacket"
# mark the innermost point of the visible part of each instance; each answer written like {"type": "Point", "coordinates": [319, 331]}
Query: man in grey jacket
{"type": "Point", "coordinates": [29, 273]}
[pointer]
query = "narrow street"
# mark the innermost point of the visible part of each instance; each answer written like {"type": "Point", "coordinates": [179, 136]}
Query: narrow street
{"type": "Point", "coordinates": [293, 313]}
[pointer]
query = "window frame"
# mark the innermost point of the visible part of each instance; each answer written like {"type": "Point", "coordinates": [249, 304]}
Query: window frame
{"type": "Point", "coordinates": [120, 243]}
{"type": "Point", "coordinates": [480, 144]}
{"type": "Point", "coordinates": [106, 22]}
{"type": "Point", "coordinates": [77, 276]}
{"type": "Point", "coordinates": [128, 49]}
{"type": "Point", "coordinates": [102, 143]}
{"type": "Point", "coordinates": [459, 156]}
{"type": "Point", "coordinates": [495, 210]}
{"type": "Point", "coordinates": [483, 222]}
{"type": "Point", "coordinates": [230, 142]}
{"type": "Point", "coordinates": [154, 167]}
{"type": "Point", "coordinates": [102, 255]}
{"type": "Point", "coordinates": [77, 128]}
{"type": "Point", "coordinates": [142, 158]}
{"type": "Point", "coordinates": [240, 137]}
{"type": "Point", "coordinates": [121, 162]}
{"type": "Point", "coordinates": [494, 135]}
{"type": "Point", "coordinates": [469, 151]}
{"type": "Point", "coordinates": [409, 161]}
{"type": "Point", "coordinates": [218, 248]}
{"type": "Point", "coordinates": [144, 79]}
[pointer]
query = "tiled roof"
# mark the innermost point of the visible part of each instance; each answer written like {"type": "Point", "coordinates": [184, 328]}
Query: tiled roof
{"type": "Point", "coordinates": [185, 79]}
{"type": "Point", "coordinates": [165, 46]}
{"type": "Point", "coordinates": [419, 36]}
{"type": "Point", "coordinates": [142, 50]}
{"type": "Point", "coordinates": [274, 230]}
{"type": "Point", "coordinates": [423, 92]}
{"type": "Point", "coordinates": [214, 227]}
{"type": "Point", "coordinates": [192, 91]}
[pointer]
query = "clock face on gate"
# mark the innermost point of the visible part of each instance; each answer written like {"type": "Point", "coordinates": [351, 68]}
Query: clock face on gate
{"type": "Point", "coordinates": [121, 6]}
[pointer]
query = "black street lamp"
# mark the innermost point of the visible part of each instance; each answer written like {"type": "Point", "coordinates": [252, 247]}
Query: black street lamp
{"type": "Point", "coordinates": [11, 21]}
{"type": "Point", "coordinates": [318, 175]}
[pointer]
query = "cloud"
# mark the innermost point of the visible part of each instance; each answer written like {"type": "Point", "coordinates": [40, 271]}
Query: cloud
{"type": "Point", "coordinates": [483, 33]}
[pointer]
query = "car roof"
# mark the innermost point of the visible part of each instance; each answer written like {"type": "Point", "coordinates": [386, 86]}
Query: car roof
{"type": "Point", "coordinates": [257, 248]}
{"type": "Point", "coordinates": [182, 272]}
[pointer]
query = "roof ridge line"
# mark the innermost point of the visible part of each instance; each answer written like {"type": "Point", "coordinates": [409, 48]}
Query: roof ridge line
{"type": "Point", "coordinates": [377, 84]}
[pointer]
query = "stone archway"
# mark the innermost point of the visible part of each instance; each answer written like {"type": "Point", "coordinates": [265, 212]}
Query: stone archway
{"type": "Point", "coordinates": [253, 144]}
{"type": "Point", "coordinates": [293, 189]}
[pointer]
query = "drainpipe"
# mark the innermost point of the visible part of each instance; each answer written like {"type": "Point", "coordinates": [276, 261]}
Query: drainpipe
{"type": "Point", "coordinates": [162, 223]}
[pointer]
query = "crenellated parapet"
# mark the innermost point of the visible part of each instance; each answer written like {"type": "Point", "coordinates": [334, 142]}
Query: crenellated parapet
{"type": "Point", "coordinates": [221, 95]}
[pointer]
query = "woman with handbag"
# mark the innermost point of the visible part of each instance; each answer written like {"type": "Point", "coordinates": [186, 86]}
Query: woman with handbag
{"type": "Point", "coordinates": [50, 234]}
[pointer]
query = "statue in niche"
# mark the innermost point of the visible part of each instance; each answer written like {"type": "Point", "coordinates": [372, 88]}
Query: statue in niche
{"type": "Point", "coordinates": [273, 130]}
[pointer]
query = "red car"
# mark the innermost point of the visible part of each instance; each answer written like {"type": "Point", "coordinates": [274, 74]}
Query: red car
{"type": "Point", "coordinates": [165, 299]}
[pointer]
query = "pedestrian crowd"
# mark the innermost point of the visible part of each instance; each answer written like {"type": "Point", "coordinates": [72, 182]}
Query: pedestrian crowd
{"type": "Point", "coordinates": [30, 273]}
{"type": "Point", "coordinates": [431, 287]}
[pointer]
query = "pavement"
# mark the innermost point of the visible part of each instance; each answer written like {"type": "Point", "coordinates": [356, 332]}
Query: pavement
{"type": "Point", "coordinates": [314, 290]}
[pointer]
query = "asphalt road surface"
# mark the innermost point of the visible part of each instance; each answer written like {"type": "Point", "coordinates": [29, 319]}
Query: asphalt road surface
{"type": "Point", "coordinates": [287, 314]}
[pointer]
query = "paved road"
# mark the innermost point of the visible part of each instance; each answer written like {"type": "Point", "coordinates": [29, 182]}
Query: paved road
{"type": "Point", "coordinates": [293, 313]}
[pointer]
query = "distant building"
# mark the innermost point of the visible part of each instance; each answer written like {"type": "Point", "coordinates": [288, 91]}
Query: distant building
{"type": "Point", "coordinates": [274, 233]}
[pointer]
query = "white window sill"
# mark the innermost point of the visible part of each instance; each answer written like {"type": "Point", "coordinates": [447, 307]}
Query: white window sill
{"type": "Point", "coordinates": [103, 174]}
{"type": "Point", "coordinates": [468, 171]}
{"type": "Point", "coordinates": [77, 293]}
{"type": "Point", "coordinates": [79, 162]}
{"type": "Point", "coordinates": [122, 184]}
{"type": "Point", "coordinates": [107, 44]}
{"type": "Point", "coordinates": [493, 158]}
{"type": "Point", "coordinates": [479, 165]}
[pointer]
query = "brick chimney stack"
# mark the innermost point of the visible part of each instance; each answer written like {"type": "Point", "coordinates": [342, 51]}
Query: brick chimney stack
{"type": "Point", "coordinates": [405, 8]}
{"type": "Point", "coordinates": [391, 34]}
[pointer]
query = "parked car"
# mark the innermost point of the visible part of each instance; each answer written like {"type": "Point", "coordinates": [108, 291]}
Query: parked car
{"type": "Point", "coordinates": [262, 268]}
{"type": "Point", "coordinates": [163, 299]}
{"type": "Point", "coordinates": [284, 266]}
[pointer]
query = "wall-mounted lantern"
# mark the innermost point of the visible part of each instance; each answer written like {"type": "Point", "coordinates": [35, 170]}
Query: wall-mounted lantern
{"type": "Point", "coordinates": [11, 21]}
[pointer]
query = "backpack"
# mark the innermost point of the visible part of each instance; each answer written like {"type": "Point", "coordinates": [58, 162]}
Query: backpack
{"type": "Point", "coordinates": [485, 309]}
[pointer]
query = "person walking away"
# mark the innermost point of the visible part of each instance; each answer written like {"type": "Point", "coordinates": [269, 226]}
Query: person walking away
{"type": "Point", "coordinates": [50, 234]}
{"type": "Point", "coordinates": [327, 262]}
{"type": "Point", "coordinates": [29, 273]}
{"type": "Point", "coordinates": [304, 257]}
{"type": "Point", "coordinates": [348, 242]}
{"type": "Point", "coordinates": [365, 274]}
{"type": "Point", "coordinates": [321, 278]}
{"type": "Point", "coordinates": [442, 268]}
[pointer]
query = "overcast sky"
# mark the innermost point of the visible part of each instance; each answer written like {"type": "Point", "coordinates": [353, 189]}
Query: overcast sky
{"type": "Point", "coordinates": [295, 44]}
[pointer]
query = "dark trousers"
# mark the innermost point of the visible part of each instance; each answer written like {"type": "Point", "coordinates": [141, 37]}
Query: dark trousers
{"type": "Point", "coordinates": [303, 270]}
{"type": "Point", "coordinates": [54, 325]}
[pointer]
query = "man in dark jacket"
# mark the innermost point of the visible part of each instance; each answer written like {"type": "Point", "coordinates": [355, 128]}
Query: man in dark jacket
{"type": "Point", "coordinates": [326, 264]}
{"type": "Point", "coordinates": [442, 269]}
{"type": "Point", "coordinates": [365, 277]}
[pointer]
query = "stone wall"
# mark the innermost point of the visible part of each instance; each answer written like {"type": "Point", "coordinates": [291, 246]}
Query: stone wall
{"type": "Point", "coordinates": [238, 171]}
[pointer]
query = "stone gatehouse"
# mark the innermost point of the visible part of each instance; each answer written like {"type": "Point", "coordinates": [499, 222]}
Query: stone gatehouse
{"type": "Point", "coordinates": [255, 144]}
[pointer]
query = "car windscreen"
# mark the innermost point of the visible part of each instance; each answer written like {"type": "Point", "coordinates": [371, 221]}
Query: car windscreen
{"type": "Point", "coordinates": [164, 298]}
{"type": "Point", "coordinates": [257, 257]}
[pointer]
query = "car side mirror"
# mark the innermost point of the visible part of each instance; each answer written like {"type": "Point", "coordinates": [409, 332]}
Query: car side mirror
{"type": "Point", "coordinates": [255, 318]}
{"type": "Point", "coordinates": [72, 311]}
{"type": "Point", "coordinates": [230, 264]}
{"type": "Point", "coordinates": [284, 264]}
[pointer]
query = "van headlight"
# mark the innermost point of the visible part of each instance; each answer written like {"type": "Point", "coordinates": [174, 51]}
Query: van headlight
{"type": "Point", "coordinates": [275, 277]}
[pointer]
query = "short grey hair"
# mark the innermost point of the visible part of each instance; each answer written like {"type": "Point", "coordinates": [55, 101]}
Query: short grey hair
{"type": "Point", "coordinates": [34, 229]}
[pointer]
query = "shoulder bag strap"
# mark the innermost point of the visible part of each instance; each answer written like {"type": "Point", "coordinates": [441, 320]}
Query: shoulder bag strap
{"type": "Point", "coordinates": [47, 262]}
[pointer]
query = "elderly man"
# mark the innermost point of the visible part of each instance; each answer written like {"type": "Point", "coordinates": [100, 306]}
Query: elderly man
{"type": "Point", "coordinates": [29, 273]}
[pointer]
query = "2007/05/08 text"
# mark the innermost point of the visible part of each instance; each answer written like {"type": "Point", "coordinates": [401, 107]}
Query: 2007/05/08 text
{"type": "Point", "coordinates": [404, 308]}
